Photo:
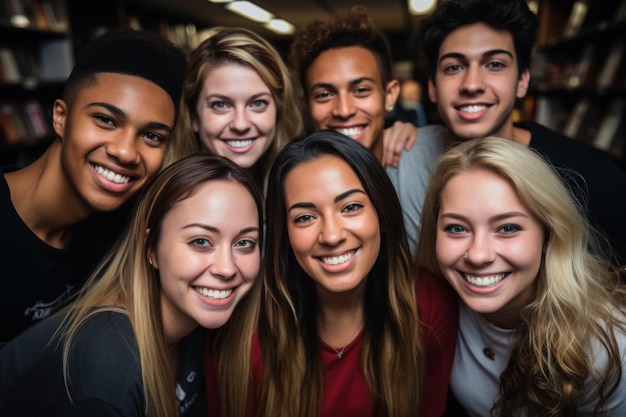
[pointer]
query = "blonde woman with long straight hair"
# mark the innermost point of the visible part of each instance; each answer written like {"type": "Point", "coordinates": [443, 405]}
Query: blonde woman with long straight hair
{"type": "Point", "coordinates": [239, 100]}
{"type": "Point", "coordinates": [541, 328]}
{"type": "Point", "coordinates": [345, 326]}
{"type": "Point", "coordinates": [190, 255]}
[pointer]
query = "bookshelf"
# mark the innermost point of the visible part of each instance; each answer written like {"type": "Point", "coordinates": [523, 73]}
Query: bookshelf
{"type": "Point", "coordinates": [578, 72]}
{"type": "Point", "coordinates": [36, 56]}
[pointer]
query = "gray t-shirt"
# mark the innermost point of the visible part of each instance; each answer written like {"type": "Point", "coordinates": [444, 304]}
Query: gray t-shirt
{"type": "Point", "coordinates": [475, 377]}
{"type": "Point", "coordinates": [410, 178]}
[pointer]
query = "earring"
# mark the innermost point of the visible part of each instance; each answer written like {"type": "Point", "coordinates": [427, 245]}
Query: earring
{"type": "Point", "coordinates": [390, 108]}
{"type": "Point", "coordinates": [150, 261]}
{"type": "Point", "coordinates": [465, 256]}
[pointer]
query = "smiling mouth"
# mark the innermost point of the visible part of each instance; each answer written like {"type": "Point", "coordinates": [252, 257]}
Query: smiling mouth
{"type": "Point", "coordinates": [484, 281]}
{"type": "Point", "coordinates": [351, 132]}
{"type": "Point", "coordinates": [239, 144]}
{"type": "Point", "coordinates": [214, 294]}
{"type": "Point", "coordinates": [111, 175]}
{"type": "Point", "coordinates": [336, 260]}
{"type": "Point", "coordinates": [474, 108]}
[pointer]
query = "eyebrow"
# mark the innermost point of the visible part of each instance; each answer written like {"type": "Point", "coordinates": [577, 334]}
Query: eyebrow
{"type": "Point", "coordinates": [498, 217]}
{"type": "Point", "coordinates": [214, 229]}
{"type": "Point", "coordinates": [337, 199]}
{"type": "Point", "coordinates": [121, 114]}
{"type": "Point", "coordinates": [330, 86]}
{"type": "Point", "coordinates": [490, 53]}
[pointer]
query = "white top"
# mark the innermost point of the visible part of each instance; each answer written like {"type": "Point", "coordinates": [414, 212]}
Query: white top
{"type": "Point", "coordinates": [475, 377]}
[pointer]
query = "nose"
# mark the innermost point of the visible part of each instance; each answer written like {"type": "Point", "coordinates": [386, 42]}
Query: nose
{"type": "Point", "coordinates": [344, 107]}
{"type": "Point", "coordinates": [240, 122]}
{"type": "Point", "coordinates": [480, 251]}
{"type": "Point", "coordinates": [332, 232]}
{"type": "Point", "coordinates": [124, 148]}
{"type": "Point", "coordinates": [473, 81]}
{"type": "Point", "coordinates": [222, 263]}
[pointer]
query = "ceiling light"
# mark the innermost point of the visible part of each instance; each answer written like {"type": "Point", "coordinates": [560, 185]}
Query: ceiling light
{"type": "Point", "coordinates": [249, 10]}
{"type": "Point", "coordinates": [220, 1]}
{"type": "Point", "coordinates": [280, 26]}
{"type": "Point", "coordinates": [418, 7]}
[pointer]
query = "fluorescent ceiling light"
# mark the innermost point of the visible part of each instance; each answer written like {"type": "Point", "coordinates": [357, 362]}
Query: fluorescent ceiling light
{"type": "Point", "coordinates": [418, 7]}
{"type": "Point", "coordinates": [280, 26]}
{"type": "Point", "coordinates": [220, 1]}
{"type": "Point", "coordinates": [249, 10]}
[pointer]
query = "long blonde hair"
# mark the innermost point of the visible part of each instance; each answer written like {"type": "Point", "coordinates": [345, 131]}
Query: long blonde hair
{"type": "Point", "coordinates": [392, 359]}
{"type": "Point", "coordinates": [124, 281]}
{"type": "Point", "coordinates": [244, 47]}
{"type": "Point", "coordinates": [578, 298]}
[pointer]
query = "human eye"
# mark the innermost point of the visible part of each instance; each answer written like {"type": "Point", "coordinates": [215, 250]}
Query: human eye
{"type": "Point", "coordinates": [496, 65]}
{"type": "Point", "coordinates": [352, 207]}
{"type": "Point", "coordinates": [509, 228]}
{"type": "Point", "coordinates": [246, 243]}
{"type": "Point", "coordinates": [455, 229]}
{"type": "Point", "coordinates": [103, 119]}
{"type": "Point", "coordinates": [322, 95]}
{"type": "Point", "coordinates": [362, 91]}
{"type": "Point", "coordinates": [154, 138]}
{"type": "Point", "coordinates": [219, 105]}
{"type": "Point", "coordinates": [200, 242]}
{"type": "Point", "coordinates": [303, 218]}
{"type": "Point", "coordinates": [259, 104]}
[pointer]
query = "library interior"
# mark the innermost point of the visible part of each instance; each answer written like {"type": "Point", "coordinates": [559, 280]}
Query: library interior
{"type": "Point", "coordinates": [578, 67]}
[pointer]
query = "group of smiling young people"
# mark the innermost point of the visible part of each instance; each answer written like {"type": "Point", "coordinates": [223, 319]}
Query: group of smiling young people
{"type": "Point", "coordinates": [356, 271]}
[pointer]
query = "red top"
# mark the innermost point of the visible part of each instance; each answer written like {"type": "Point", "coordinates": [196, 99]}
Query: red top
{"type": "Point", "coordinates": [346, 392]}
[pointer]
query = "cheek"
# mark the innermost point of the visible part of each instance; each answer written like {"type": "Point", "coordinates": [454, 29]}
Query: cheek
{"type": "Point", "coordinates": [249, 265]}
{"type": "Point", "coordinates": [153, 159]}
{"type": "Point", "coordinates": [318, 112]}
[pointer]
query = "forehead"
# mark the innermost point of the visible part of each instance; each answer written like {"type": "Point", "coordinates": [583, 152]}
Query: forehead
{"type": "Point", "coordinates": [346, 64]}
{"type": "Point", "coordinates": [233, 75]}
{"type": "Point", "coordinates": [326, 175]}
{"type": "Point", "coordinates": [112, 87]}
{"type": "Point", "coordinates": [475, 40]}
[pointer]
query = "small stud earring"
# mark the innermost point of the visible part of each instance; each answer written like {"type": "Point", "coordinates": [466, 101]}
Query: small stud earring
{"type": "Point", "coordinates": [465, 256]}
{"type": "Point", "coordinates": [150, 261]}
{"type": "Point", "coordinates": [390, 108]}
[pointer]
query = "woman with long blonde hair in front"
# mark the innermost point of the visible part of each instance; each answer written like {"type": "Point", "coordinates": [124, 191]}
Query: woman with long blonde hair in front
{"type": "Point", "coordinates": [131, 344]}
{"type": "Point", "coordinates": [541, 327]}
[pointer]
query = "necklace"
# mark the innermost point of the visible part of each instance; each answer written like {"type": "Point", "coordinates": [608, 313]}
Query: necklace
{"type": "Point", "coordinates": [339, 352]}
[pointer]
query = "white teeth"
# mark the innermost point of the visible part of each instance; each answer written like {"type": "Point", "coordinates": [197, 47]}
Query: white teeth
{"type": "Point", "coordinates": [110, 175]}
{"type": "Point", "coordinates": [486, 281]}
{"type": "Point", "coordinates": [336, 260]}
{"type": "Point", "coordinates": [216, 294]}
{"type": "Point", "coordinates": [351, 132]}
{"type": "Point", "coordinates": [473, 108]}
{"type": "Point", "coordinates": [239, 143]}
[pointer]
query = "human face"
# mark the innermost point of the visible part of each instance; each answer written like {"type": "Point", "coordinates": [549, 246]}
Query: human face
{"type": "Point", "coordinates": [235, 115]}
{"type": "Point", "coordinates": [482, 216]}
{"type": "Point", "coordinates": [477, 82]}
{"type": "Point", "coordinates": [332, 224]}
{"type": "Point", "coordinates": [113, 138]}
{"type": "Point", "coordinates": [346, 93]}
{"type": "Point", "coordinates": [207, 256]}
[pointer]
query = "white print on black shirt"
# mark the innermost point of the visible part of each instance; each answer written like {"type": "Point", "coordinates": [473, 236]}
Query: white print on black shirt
{"type": "Point", "coordinates": [43, 309]}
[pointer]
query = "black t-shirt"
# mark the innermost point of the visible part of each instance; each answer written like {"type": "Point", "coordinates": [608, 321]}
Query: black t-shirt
{"type": "Point", "coordinates": [595, 177]}
{"type": "Point", "coordinates": [37, 279]}
{"type": "Point", "coordinates": [105, 377]}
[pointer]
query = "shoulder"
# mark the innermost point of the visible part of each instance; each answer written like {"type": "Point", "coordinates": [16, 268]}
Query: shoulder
{"type": "Point", "coordinates": [105, 362]}
{"type": "Point", "coordinates": [562, 150]}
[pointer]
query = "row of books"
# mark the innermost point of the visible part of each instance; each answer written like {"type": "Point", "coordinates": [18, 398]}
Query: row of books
{"type": "Point", "coordinates": [50, 60]}
{"type": "Point", "coordinates": [597, 66]}
{"type": "Point", "coordinates": [22, 123]}
{"type": "Point", "coordinates": [39, 14]}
